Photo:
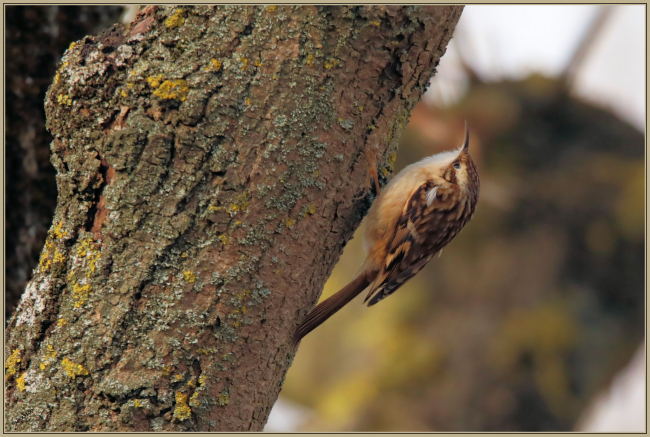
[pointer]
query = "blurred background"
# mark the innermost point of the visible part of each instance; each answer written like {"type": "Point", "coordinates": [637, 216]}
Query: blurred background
{"type": "Point", "coordinates": [533, 318]}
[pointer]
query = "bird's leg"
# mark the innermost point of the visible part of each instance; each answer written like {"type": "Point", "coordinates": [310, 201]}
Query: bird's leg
{"type": "Point", "coordinates": [371, 160]}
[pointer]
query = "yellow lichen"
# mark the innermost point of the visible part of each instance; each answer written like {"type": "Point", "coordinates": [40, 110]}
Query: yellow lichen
{"type": "Point", "coordinates": [214, 208]}
{"type": "Point", "coordinates": [310, 60]}
{"type": "Point", "coordinates": [64, 99]}
{"type": "Point", "coordinates": [277, 272]}
{"type": "Point", "coordinates": [12, 363]}
{"type": "Point", "coordinates": [172, 89]}
{"type": "Point", "coordinates": [189, 276]}
{"type": "Point", "coordinates": [289, 222]}
{"type": "Point", "coordinates": [57, 76]}
{"type": "Point", "coordinates": [87, 250]}
{"type": "Point", "coordinates": [391, 160]}
{"type": "Point", "coordinates": [202, 379]}
{"type": "Point", "coordinates": [375, 23]}
{"type": "Point", "coordinates": [137, 403]}
{"type": "Point", "coordinates": [224, 399]}
{"type": "Point", "coordinates": [316, 173]}
{"type": "Point", "coordinates": [216, 64]}
{"type": "Point", "coordinates": [57, 231]}
{"type": "Point", "coordinates": [248, 101]}
{"type": "Point", "coordinates": [50, 356]}
{"type": "Point", "coordinates": [58, 256]}
{"type": "Point", "coordinates": [124, 93]}
{"type": "Point", "coordinates": [223, 239]}
{"type": "Point", "coordinates": [332, 62]}
{"type": "Point", "coordinates": [73, 370]}
{"type": "Point", "coordinates": [72, 45]}
{"type": "Point", "coordinates": [312, 208]}
{"type": "Point", "coordinates": [244, 310]}
{"type": "Point", "coordinates": [182, 410]}
{"type": "Point", "coordinates": [258, 63]}
{"type": "Point", "coordinates": [45, 260]}
{"type": "Point", "coordinates": [154, 81]}
{"type": "Point", "coordinates": [272, 8]}
{"type": "Point", "coordinates": [194, 402]}
{"type": "Point", "coordinates": [20, 382]}
{"type": "Point", "coordinates": [384, 171]}
{"type": "Point", "coordinates": [183, 255]}
{"type": "Point", "coordinates": [176, 19]}
{"type": "Point", "coordinates": [61, 322]}
{"type": "Point", "coordinates": [361, 108]}
{"type": "Point", "coordinates": [80, 294]}
{"type": "Point", "coordinates": [244, 64]}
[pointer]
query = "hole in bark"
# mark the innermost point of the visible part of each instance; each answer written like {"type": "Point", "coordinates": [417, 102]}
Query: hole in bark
{"type": "Point", "coordinates": [90, 217]}
{"type": "Point", "coordinates": [138, 296]}
{"type": "Point", "coordinates": [196, 365]}
{"type": "Point", "coordinates": [247, 30]}
{"type": "Point", "coordinates": [217, 323]}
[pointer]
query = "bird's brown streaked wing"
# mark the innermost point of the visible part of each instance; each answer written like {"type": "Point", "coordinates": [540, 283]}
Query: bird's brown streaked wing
{"type": "Point", "coordinates": [404, 255]}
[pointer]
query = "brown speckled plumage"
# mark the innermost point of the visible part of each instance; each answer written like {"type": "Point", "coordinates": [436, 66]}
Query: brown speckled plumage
{"type": "Point", "coordinates": [420, 211]}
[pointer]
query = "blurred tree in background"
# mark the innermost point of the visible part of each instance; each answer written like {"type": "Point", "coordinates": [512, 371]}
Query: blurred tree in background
{"type": "Point", "coordinates": [35, 39]}
{"type": "Point", "coordinates": [528, 312]}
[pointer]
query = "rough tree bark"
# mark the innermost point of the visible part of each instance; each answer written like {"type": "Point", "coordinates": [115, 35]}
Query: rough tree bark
{"type": "Point", "coordinates": [210, 168]}
{"type": "Point", "coordinates": [35, 39]}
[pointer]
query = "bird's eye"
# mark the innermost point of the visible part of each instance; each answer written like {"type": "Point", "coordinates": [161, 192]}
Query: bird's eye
{"type": "Point", "coordinates": [457, 165]}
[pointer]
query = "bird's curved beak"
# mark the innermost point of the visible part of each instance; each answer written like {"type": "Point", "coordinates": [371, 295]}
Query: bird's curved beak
{"type": "Point", "coordinates": [465, 148]}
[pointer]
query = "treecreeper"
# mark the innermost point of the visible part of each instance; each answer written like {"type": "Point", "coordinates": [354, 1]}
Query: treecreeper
{"type": "Point", "coordinates": [419, 212]}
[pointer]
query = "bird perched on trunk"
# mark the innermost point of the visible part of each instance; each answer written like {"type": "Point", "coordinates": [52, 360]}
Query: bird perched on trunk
{"type": "Point", "coordinates": [421, 210]}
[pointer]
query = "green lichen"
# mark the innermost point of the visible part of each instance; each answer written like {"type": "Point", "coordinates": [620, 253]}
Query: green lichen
{"type": "Point", "coordinates": [224, 399]}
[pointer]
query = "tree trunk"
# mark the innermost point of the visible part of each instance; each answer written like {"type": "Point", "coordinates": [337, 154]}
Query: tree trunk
{"type": "Point", "coordinates": [211, 164]}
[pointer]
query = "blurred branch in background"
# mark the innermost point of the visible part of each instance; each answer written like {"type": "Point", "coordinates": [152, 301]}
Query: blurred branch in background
{"type": "Point", "coordinates": [531, 312]}
{"type": "Point", "coordinates": [569, 76]}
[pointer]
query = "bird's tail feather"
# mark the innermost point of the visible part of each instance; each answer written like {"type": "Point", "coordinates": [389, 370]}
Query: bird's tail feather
{"type": "Point", "coordinates": [331, 305]}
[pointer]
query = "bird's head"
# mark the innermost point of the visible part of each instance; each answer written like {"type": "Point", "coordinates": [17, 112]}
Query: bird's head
{"type": "Point", "coordinates": [460, 168]}
{"type": "Point", "coordinates": [456, 166]}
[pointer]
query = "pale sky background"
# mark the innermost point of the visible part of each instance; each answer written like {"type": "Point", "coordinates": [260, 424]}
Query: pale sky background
{"type": "Point", "coordinates": [511, 42]}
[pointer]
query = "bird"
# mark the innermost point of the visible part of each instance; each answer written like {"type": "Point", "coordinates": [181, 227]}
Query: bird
{"type": "Point", "coordinates": [417, 214]}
